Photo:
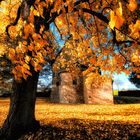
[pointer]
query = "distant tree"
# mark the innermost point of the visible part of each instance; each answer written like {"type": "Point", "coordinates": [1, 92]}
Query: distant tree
{"type": "Point", "coordinates": [6, 76]}
{"type": "Point", "coordinates": [133, 77]}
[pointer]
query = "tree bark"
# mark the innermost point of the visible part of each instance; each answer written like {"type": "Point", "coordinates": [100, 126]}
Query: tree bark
{"type": "Point", "coordinates": [21, 117]}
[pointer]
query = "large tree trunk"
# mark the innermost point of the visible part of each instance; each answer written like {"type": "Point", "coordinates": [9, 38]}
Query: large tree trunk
{"type": "Point", "coordinates": [21, 117]}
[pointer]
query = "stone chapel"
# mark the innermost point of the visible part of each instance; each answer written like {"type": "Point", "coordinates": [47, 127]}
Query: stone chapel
{"type": "Point", "coordinates": [67, 90]}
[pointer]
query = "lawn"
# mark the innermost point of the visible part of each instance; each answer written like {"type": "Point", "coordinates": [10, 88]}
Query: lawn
{"type": "Point", "coordinates": [81, 121]}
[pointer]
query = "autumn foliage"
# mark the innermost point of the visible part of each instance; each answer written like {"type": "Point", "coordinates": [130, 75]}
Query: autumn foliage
{"type": "Point", "coordinates": [98, 34]}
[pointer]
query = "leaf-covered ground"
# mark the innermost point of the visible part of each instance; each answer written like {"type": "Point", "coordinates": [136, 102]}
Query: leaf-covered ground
{"type": "Point", "coordinates": [82, 122]}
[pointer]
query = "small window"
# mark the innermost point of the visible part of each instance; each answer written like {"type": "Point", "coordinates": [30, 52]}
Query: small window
{"type": "Point", "coordinates": [74, 82]}
{"type": "Point", "coordinates": [57, 83]}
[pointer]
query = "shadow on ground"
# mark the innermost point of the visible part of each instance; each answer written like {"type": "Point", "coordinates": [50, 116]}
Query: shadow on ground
{"type": "Point", "coordinates": [75, 129]}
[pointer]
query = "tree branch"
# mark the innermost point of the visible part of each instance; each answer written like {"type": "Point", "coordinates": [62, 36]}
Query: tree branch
{"type": "Point", "coordinates": [124, 41]}
{"type": "Point", "coordinates": [21, 7]}
{"type": "Point", "coordinates": [98, 15]}
{"type": "Point", "coordinates": [15, 22]}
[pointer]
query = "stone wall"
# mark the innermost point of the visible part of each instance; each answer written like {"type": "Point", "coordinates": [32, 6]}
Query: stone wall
{"type": "Point", "coordinates": [55, 90]}
{"type": "Point", "coordinates": [98, 94]}
{"type": "Point", "coordinates": [67, 90]}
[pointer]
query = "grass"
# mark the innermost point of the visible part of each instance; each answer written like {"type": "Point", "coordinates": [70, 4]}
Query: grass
{"type": "Point", "coordinates": [54, 112]}
{"type": "Point", "coordinates": [62, 121]}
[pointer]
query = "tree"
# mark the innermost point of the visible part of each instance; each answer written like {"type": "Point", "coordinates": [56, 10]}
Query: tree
{"type": "Point", "coordinates": [133, 77]}
{"type": "Point", "coordinates": [100, 25]}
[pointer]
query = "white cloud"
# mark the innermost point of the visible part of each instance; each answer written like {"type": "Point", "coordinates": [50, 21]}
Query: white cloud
{"type": "Point", "coordinates": [121, 82]}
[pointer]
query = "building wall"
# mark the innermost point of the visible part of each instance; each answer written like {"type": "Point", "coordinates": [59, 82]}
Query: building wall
{"type": "Point", "coordinates": [99, 94]}
{"type": "Point", "coordinates": [55, 98]}
{"type": "Point", "coordinates": [67, 90]}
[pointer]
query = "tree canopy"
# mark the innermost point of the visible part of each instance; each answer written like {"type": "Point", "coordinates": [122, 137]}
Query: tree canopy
{"type": "Point", "coordinates": [101, 34]}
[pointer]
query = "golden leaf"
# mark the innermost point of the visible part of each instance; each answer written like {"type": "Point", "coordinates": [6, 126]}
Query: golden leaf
{"type": "Point", "coordinates": [41, 29]}
{"type": "Point", "coordinates": [119, 10]}
{"type": "Point", "coordinates": [27, 59]}
{"type": "Point", "coordinates": [38, 47]}
{"type": "Point", "coordinates": [26, 66]}
{"type": "Point", "coordinates": [119, 22]}
{"type": "Point", "coordinates": [36, 13]}
{"type": "Point", "coordinates": [31, 17]}
{"type": "Point", "coordinates": [132, 5]}
{"type": "Point", "coordinates": [12, 53]}
{"type": "Point", "coordinates": [34, 63]}
{"type": "Point", "coordinates": [2, 49]}
{"type": "Point", "coordinates": [38, 67]}
{"type": "Point", "coordinates": [28, 72]}
{"type": "Point", "coordinates": [30, 47]}
{"type": "Point", "coordinates": [116, 19]}
{"type": "Point", "coordinates": [51, 1]}
{"type": "Point", "coordinates": [112, 19]}
{"type": "Point", "coordinates": [36, 36]}
{"type": "Point", "coordinates": [135, 29]}
{"type": "Point", "coordinates": [93, 60]}
{"type": "Point", "coordinates": [25, 76]}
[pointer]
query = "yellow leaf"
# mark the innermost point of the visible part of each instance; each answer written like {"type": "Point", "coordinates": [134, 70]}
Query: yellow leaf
{"type": "Point", "coordinates": [18, 68]}
{"type": "Point", "coordinates": [92, 60]}
{"type": "Point", "coordinates": [51, 1]}
{"type": "Point", "coordinates": [135, 29]}
{"type": "Point", "coordinates": [30, 47]}
{"type": "Point", "coordinates": [12, 53]}
{"type": "Point", "coordinates": [112, 19]}
{"type": "Point", "coordinates": [27, 59]}
{"type": "Point", "coordinates": [26, 66]}
{"type": "Point", "coordinates": [59, 21]}
{"type": "Point", "coordinates": [36, 13]}
{"type": "Point", "coordinates": [38, 47]}
{"type": "Point", "coordinates": [24, 42]}
{"type": "Point", "coordinates": [38, 67]}
{"type": "Point", "coordinates": [116, 19]}
{"type": "Point", "coordinates": [25, 76]}
{"type": "Point", "coordinates": [2, 50]}
{"type": "Point", "coordinates": [119, 22]}
{"type": "Point", "coordinates": [132, 5]}
{"type": "Point", "coordinates": [119, 10]}
{"type": "Point", "coordinates": [127, 72]}
{"type": "Point", "coordinates": [36, 36]}
{"type": "Point", "coordinates": [28, 29]}
{"type": "Point", "coordinates": [41, 29]}
{"type": "Point", "coordinates": [34, 63]}
{"type": "Point", "coordinates": [31, 17]}
{"type": "Point", "coordinates": [28, 72]}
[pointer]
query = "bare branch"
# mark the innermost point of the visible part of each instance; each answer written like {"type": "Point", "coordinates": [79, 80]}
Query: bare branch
{"type": "Point", "coordinates": [124, 41]}
{"type": "Point", "coordinates": [15, 22]}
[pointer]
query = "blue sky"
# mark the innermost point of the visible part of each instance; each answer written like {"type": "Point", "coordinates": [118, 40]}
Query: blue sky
{"type": "Point", "coordinates": [121, 81]}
